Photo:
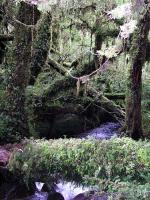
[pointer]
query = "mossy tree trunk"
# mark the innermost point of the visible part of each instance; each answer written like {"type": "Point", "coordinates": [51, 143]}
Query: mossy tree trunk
{"type": "Point", "coordinates": [56, 35]}
{"type": "Point", "coordinates": [21, 57]}
{"type": "Point", "coordinates": [98, 40]}
{"type": "Point", "coordinates": [134, 85]}
{"type": "Point", "coordinates": [103, 31]}
{"type": "Point", "coordinates": [2, 41]}
{"type": "Point", "coordinates": [41, 46]}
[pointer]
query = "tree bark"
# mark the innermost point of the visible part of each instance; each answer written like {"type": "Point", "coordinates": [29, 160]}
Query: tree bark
{"type": "Point", "coordinates": [134, 85]}
{"type": "Point", "coordinates": [20, 62]}
{"type": "Point", "coordinates": [41, 46]}
{"type": "Point", "coordinates": [98, 41]}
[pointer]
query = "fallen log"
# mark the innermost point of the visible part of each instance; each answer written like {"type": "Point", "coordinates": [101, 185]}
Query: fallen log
{"type": "Point", "coordinates": [58, 67]}
{"type": "Point", "coordinates": [108, 105]}
{"type": "Point", "coordinates": [85, 155]}
{"type": "Point", "coordinates": [80, 71]}
{"type": "Point", "coordinates": [115, 96]}
{"type": "Point", "coordinates": [71, 81]}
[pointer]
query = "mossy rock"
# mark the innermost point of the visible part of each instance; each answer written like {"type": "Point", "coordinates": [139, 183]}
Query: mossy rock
{"type": "Point", "coordinates": [43, 128]}
{"type": "Point", "coordinates": [59, 111]}
{"type": "Point", "coordinates": [67, 125]}
{"type": "Point", "coordinates": [69, 116]}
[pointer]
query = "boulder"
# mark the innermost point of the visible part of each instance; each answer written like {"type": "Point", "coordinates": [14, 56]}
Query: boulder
{"type": "Point", "coordinates": [69, 118]}
{"type": "Point", "coordinates": [81, 197]}
{"type": "Point", "coordinates": [43, 128]}
{"type": "Point", "coordinates": [4, 157]}
{"type": "Point", "coordinates": [55, 196]}
{"type": "Point", "coordinates": [90, 196]}
{"type": "Point", "coordinates": [57, 107]}
{"type": "Point", "coordinates": [13, 191]}
{"type": "Point", "coordinates": [67, 125]}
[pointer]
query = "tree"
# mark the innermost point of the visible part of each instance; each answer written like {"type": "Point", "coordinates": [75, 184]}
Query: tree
{"type": "Point", "coordinates": [41, 45]}
{"type": "Point", "coordinates": [20, 58]}
{"type": "Point", "coordinates": [134, 85]}
{"type": "Point", "coordinates": [31, 45]}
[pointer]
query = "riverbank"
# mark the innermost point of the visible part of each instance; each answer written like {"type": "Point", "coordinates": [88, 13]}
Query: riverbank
{"type": "Point", "coordinates": [116, 165]}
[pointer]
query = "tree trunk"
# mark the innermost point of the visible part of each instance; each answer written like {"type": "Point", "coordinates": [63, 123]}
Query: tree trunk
{"type": "Point", "coordinates": [98, 41]}
{"type": "Point", "coordinates": [134, 85]}
{"type": "Point", "coordinates": [20, 62]}
{"type": "Point", "coordinates": [41, 46]}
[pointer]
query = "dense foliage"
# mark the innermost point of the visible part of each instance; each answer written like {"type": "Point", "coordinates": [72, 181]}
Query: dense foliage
{"type": "Point", "coordinates": [68, 66]}
{"type": "Point", "coordinates": [73, 47]}
{"type": "Point", "coordinates": [113, 165]}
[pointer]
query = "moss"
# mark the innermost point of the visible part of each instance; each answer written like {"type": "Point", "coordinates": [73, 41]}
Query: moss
{"type": "Point", "coordinates": [134, 82]}
{"type": "Point", "coordinates": [16, 65]}
{"type": "Point", "coordinates": [2, 98]}
{"type": "Point", "coordinates": [56, 95]}
{"type": "Point", "coordinates": [41, 46]}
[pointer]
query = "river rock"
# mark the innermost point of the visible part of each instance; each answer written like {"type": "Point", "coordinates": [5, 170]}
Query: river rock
{"type": "Point", "coordinates": [81, 197]}
{"type": "Point", "coordinates": [6, 151]}
{"type": "Point", "coordinates": [55, 196]}
{"type": "Point", "coordinates": [4, 157]}
{"type": "Point", "coordinates": [84, 196]}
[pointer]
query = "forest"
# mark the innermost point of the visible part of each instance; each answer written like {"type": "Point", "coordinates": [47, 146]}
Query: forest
{"type": "Point", "coordinates": [74, 99]}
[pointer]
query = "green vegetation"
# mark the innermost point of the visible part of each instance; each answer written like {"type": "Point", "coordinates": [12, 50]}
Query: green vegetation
{"type": "Point", "coordinates": [67, 67]}
{"type": "Point", "coordinates": [72, 55]}
{"type": "Point", "coordinates": [115, 165]}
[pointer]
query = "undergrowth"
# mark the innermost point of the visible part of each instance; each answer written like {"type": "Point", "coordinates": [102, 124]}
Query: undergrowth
{"type": "Point", "coordinates": [117, 165]}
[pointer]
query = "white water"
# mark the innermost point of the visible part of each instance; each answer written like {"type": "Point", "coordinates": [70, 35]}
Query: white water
{"type": "Point", "coordinates": [67, 189]}
{"type": "Point", "coordinates": [70, 190]}
{"type": "Point", "coordinates": [38, 196]}
{"type": "Point", "coordinates": [39, 185]}
{"type": "Point", "coordinates": [105, 131]}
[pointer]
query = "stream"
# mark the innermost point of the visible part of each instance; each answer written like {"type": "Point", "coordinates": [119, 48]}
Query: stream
{"type": "Point", "coordinates": [105, 131]}
{"type": "Point", "coordinates": [68, 190]}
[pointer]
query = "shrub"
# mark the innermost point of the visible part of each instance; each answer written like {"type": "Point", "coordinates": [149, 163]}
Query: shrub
{"type": "Point", "coordinates": [90, 162]}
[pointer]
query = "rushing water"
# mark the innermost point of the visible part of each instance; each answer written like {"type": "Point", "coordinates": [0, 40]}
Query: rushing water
{"type": "Point", "coordinates": [38, 196]}
{"type": "Point", "coordinates": [69, 190]}
{"type": "Point", "coordinates": [105, 131]}
{"type": "Point", "coordinates": [39, 186]}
